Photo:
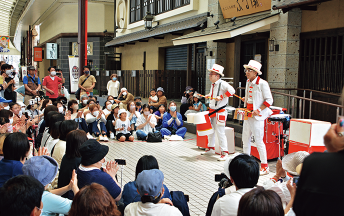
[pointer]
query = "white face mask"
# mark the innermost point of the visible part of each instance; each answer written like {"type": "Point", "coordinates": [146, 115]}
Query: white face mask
{"type": "Point", "coordinates": [9, 72]}
{"type": "Point", "coordinates": [112, 101]}
{"type": "Point", "coordinates": [7, 108]}
{"type": "Point", "coordinates": [53, 73]}
{"type": "Point", "coordinates": [108, 107]}
{"type": "Point", "coordinates": [23, 109]}
{"type": "Point", "coordinates": [20, 113]}
{"type": "Point", "coordinates": [95, 113]}
{"type": "Point", "coordinates": [84, 102]}
{"type": "Point", "coordinates": [132, 107]}
{"type": "Point", "coordinates": [124, 93]}
{"type": "Point", "coordinates": [75, 107]}
{"type": "Point", "coordinates": [11, 120]}
{"type": "Point", "coordinates": [60, 109]}
{"type": "Point", "coordinates": [146, 113]}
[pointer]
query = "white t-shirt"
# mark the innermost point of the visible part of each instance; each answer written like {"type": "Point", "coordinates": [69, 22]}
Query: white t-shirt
{"type": "Point", "coordinates": [147, 128]}
{"type": "Point", "coordinates": [154, 98]}
{"type": "Point", "coordinates": [228, 205]}
{"type": "Point", "coordinates": [120, 124]}
{"type": "Point", "coordinates": [139, 208]}
{"type": "Point", "coordinates": [106, 111]}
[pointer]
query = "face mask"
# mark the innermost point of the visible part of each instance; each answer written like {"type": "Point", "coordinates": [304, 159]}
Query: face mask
{"type": "Point", "coordinates": [53, 73]}
{"type": "Point", "coordinates": [108, 107]}
{"type": "Point", "coordinates": [146, 113]}
{"type": "Point", "coordinates": [11, 120]}
{"type": "Point", "coordinates": [60, 109]}
{"type": "Point", "coordinates": [132, 107]}
{"type": "Point", "coordinates": [7, 108]}
{"type": "Point", "coordinates": [124, 93]}
{"type": "Point", "coordinates": [87, 72]}
{"type": "Point", "coordinates": [23, 110]}
{"type": "Point", "coordinates": [84, 102]}
{"type": "Point", "coordinates": [173, 108]}
{"type": "Point", "coordinates": [112, 101]}
{"type": "Point", "coordinates": [20, 113]}
{"type": "Point", "coordinates": [9, 72]}
{"type": "Point", "coordinates": [75, 107]}
{"type": "Point", "coordinates": [96, 113]}
{"type": "Point", "coordinates": [114, 78]}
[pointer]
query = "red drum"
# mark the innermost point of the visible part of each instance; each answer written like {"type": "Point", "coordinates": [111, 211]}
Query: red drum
{"type": "Point", "coordinates": [203, 123]}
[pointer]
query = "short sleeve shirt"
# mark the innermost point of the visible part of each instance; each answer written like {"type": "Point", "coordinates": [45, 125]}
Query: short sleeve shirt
{"type": "Point", "coordinates": [26, 81]}
{"type": "Point", "coordinates": [52, 85]}
{"type": "Point", "coordinates": [88, 83]}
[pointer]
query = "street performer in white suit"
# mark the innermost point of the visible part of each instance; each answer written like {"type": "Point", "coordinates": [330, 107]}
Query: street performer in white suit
{"type": "Point", "coordinates": [219, 93]}
{"type": "Point", "coordinates": [258, 99]}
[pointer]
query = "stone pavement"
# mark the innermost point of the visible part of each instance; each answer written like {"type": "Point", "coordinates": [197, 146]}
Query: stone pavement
{"type": "Point", "coordinates": [184, 167]}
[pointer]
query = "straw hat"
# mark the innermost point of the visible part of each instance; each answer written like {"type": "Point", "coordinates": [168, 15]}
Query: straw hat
{"type": "Point", "coordinates": [254, 65]}
{"type": "Point", "coordinates": [217, 69]}
{"type": "Point", "coordinates": [293, 160]}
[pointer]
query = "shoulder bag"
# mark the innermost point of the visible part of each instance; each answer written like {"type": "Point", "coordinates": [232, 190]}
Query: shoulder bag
{"type": "Point", "coordinates": [77, 93]}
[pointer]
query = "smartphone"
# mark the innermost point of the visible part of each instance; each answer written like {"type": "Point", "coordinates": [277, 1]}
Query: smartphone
{"type": "Point", "coordinates": [121, 162]}
{"type": "Point", "coordinates": [58, 73]}
{"type": "Point", "coordinates": [296, 180]}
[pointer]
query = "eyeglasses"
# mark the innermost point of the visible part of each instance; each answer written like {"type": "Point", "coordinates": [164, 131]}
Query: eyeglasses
{"type": "Point", "coordinates": [211, 74]}
{"type": "Point", "coordinates": [39, 209]}
{"type": "Point", "coordinates": [248, 70]}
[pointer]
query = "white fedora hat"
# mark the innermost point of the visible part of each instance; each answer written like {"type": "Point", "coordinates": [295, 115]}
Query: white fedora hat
{"type": "Point", "coordinates": [293, 160]}
{"type": "Point", "coordinates": [254, 65]}
{"type": "Point", "coordinates": [217, 69]}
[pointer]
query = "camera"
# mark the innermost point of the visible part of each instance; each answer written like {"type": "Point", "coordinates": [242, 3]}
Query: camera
{"type": "Point", "coordinates": [32, 102]}
{"type": "Point", "coordinates": [223, 180]}
{"type": "Point", "coordinates": [121, 162]}
{"type": "Point", "coordinates": [296, 180]}
{"type": "Point", "coordinates": [58, 74]}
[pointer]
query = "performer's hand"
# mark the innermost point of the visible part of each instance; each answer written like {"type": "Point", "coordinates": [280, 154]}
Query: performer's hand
{"type": "Point", "coordinates": [243, 99]}
{"type": "Point", "coordinates": [255, 113]}
{"type": "Point", "coordinates": [218, 98]}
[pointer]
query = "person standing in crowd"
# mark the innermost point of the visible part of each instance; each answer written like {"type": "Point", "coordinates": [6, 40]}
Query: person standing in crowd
{"type": "Point", "coordinates": [126, 98]}
{"type": "Point", "coordinates": [32, 84]}
{"type": "Point", "coordinates": [51, 84]}
{"type": "Point", "coordinates": [9, 93]}
{"type": "Point", "coordinates": [257, 99]}
{"type": "Point", "coordinates": [219, 93]}
{"type": "Point", "coordinates": [172, 122]}
{"type": "Point", "coordinates": [59, 74]}
{"type": "Point", "coordinates": [161, 100]}
{"type": "Point", "coordinates": [113, 86]}
{"type": "Point", "coordinates": [88, 82]}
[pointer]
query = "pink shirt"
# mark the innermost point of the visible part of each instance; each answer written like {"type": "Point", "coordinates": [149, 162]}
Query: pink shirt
{"type": "Point", "coordinates": [52, 85]}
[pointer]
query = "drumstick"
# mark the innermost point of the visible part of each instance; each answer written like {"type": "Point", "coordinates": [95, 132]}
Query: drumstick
{"type": "Point", "coordinates": [208, 97]}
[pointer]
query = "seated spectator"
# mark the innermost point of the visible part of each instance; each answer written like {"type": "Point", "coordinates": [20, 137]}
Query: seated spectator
{"type": "Point", "coordinates": [159, 116]}
{"type": "Point", "coordinates": [2, 139]}
{"type": "Point", "coordinates": [123, 127]}
{"type": "Point", "coordinates": [111, 121]}
{"type": "Point", "coordinates": [92, 200]}
{"type": "Point", "coordinates": [43, 123]}
{"type": "Point", "coordinates": [44, 169]}
{"type": "Point", "coordinates": [146, 162]}
{"type": "Point", "coordinates": [111, 99]}
{"type": "Point", "coordinates": [16, 149]}
{"type": "Point", "coordinates": [94, 119]}
{"type": "Point", "coordinates": [83, 101]}
{"type": "Point", "coordinates": [86, 108]}
{"type": "Point", "coordinates": [139, 107]}
{"type": "Point", "coordinates": [60, 148]}
{"type": "Point", "coordinates": [78, 116]}
{"type": "Point", "coordinates": [172, 122]}
{"type": "Point", "coordinates": [46, 103]}
{"type": "Point", "coordinates": [107, 109]}
{"type": "Point", "coordinates": [197, 105]}
{"type": "Point", "coordinates": [161, 100]}
{"type": "Point", "coordinates": [21, 196]}
{"type": "Point", "coordinates": [152, 99]}
{"type": "Point", "coordinates": [150, 188]}
{"type": "Point", "coordinates": [132, 115]}
{"type": "Point", "coordinates": [72, 159]}
{"type": "Point", "coordinates": [54, 132]}
{"type": "Point", "coordinates": [92, 157]}
{"type": "Point", "coordinates": [244, 174]}
{"type": "Point", "coordinates": [5, 103]}
{"type": "Point", "coordinates": [260, 202]}
{"type": "Point", "coordinates": [59, 106]}
{"type": "Point", "coordinates": [187, 101]}
{"type": "Point", "coordinates": [123, 98]}
{"type": "Point", "coordinates": [145, 123]}
{"type": "Point", "coordinates": [32, 110]}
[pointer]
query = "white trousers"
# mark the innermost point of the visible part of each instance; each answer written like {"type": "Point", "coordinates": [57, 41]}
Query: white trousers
{"type": "Point", "coordinates": [219, 130]}
{"type": "Point", "coordinates": [255, 128]}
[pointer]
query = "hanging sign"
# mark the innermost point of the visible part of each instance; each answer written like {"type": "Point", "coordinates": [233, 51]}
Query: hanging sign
{"type": "Point", "coordinates": [73, 73]}
{"type": "Point", "coordinates": [237, 8]}
{"type": "Point", "coordinates": [4, 44]}
{"type": "Point", "coordinates": [37, 54]}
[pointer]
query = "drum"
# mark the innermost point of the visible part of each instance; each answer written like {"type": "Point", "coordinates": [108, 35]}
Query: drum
{"type": "Point", "coordinates": [284, 118]}
{"type": "Point", "coordinates": [241, 114]}
{"type": "Point", "coordinates": [202, 120]}
{"type": "Point", "coordinates": [190, 117]}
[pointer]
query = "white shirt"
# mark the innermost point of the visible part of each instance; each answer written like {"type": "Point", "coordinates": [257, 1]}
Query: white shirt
{"type": "Point", "coordinates": [120, 124]}
{"type": "Point", "coordinates": [139, 208]}
{"type": "Point", "coordinates": [226, 89]}
{"type": "Point", "coordinates": [250, 91]}
{"type": "Point", "coordinates": [59, 151]}
{"type": "Point", "coordinates": [113, 88]}
{"type": "Point", "coordinates": [154, 98]}
{"type": "Point", "coordinates": [106, 111]}
{"type": "Point", "coordinates": [228, 205]}
{"type": "Point", "coordinates": [147, 128]}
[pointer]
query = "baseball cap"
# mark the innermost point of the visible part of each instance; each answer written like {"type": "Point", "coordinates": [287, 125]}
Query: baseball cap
{"type": "Point", "coordinates": [31, 68]}
{"type": "Point", "coordinates": [160, 89]}
{"type": "Point", "coordinates": [149, 182]}
{"type": "Point", "coordinates": [3, 100]}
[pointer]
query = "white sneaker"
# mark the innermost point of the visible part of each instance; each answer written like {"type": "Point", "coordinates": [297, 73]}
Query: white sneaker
{"type": "Point", "coordinates": [223, 157]}
{"type": "Point", "coordinates": [105, 139]}
{"type": "Point", "coordinates": [89, 136]}
{"type": "Point", "coordinates": [112, 136]}
{"type": "Point", "coordinates": [208, 152]}
{"type": "Point", "coordinates": [264, 171]}
{"type": "Point", "coordinates": [100, 138]}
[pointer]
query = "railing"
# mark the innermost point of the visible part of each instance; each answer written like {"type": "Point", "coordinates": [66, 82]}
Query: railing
{"type": "Point", "coordinates": [302, 100]}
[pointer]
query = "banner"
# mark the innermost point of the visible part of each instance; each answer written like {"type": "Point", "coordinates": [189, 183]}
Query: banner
{"type": "Point", "coordinates": [237, 8]}
{"type": "Point", "coordinates": [73, 73]}
{"type": "Point", "coordinates": [24, 71]}
{"type": "Point", "coordinates": [37, 57]}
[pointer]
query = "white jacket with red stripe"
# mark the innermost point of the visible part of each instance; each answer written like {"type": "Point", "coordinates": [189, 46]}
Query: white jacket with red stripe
{"type": "Point", "coordinates": [261, 95]}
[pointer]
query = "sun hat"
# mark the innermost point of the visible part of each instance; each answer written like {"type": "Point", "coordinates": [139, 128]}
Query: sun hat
{"type": "Point", "coordinates": [227, 162]}
{"type": "Point", "coordinates": [114, 106]}
{"type": "Point", "coordinates": [160, 89]}
{"type": "Point", "coordinates": [92, 152]}
{"type": "Point", "coordinates": [43, 168]}
{"type": "Point", "coordinates": [121, 111]}
{"type": "Point", "coordinates": [291, 161]}
{"type": "Point", "coordinates": [217, 69]}
{"type": "Point", "coordinates": [254, 65]}
{"type": "Point", "coordinates": [149, 182]}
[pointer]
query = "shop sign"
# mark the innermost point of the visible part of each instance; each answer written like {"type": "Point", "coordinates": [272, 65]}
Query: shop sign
{"type": "Point", "coordinates": [237, 8]}
{"type": "Point", "coordinates": [37, 54]}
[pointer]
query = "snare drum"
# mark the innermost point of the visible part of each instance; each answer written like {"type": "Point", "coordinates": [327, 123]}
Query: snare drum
{"type": "Point", "coordinates": [284, 118]}
{"type": "Point", "coordinates": [202, 120]}
{"type": "Point", "coordinates": [241, 114]}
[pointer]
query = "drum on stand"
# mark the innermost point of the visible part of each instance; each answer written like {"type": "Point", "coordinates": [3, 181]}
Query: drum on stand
{"type": "Point", "coordinates": [202, 120]}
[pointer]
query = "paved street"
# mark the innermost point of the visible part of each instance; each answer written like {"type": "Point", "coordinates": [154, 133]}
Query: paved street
{"type": "Point", "coordinates": [183, 166]}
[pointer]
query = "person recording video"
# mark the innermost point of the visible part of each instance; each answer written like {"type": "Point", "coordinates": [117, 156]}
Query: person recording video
{"type": "Point", "coordinates": [8, 74]}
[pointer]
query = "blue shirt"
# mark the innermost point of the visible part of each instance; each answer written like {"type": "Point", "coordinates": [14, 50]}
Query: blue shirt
{"type": "Point", "coordinates": [131, 195]}
{"type": "Point", "coordinates": [25, 81]}
{"type": "Point", "coordinates": [54, 204]}
{"type": "Point", "coordinates": [100, 177]}
{"type": "Point", "coordinates": [167, 117]}
{"type": "Point", "coordinates": [9, 169]}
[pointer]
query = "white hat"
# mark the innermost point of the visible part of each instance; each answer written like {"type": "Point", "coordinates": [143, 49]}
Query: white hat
{"type": "Point", "coordinates": [121, 111]}
{"type": "Point", "coordinates": [254, 65]}
{"type": "Point", "coordinates": [217, 69]}
{"type": "Point", "coordinates": [196, 95]}
{"type": "Point", "coordinates": [291, 161]}
{"type": "Point", "coordinates": [123, 89]}
{"type": "Point", "coordinates": [227, 162]}
{"type": "Point", "coordinates": [160, 89]}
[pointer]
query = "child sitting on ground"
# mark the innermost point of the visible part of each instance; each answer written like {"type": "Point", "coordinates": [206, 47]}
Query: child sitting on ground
{"type": "Point", "coordinates": [197, 105]}
{"type": "Point", "coordinates": [123, 127]}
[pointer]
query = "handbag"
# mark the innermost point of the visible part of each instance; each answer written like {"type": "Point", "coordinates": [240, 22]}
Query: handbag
{"type": "Point", "coordinates": [154, 137]}
{"type": "Point", "coordinates": [77, 93]}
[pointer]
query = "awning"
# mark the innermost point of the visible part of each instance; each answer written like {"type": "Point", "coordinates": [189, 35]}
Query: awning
{"type": "Point", "coordinates": [228, 30]}
{"type": "Point", "coordinates": [167, 28]}
{"type": "Point", "coordinates": [290, 4]}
